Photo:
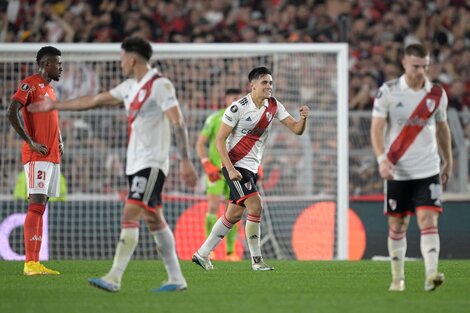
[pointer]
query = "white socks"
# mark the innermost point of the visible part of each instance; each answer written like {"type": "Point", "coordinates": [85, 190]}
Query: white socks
{"type": "Point", "coordinates": [124, 250]}
{"type": "Point", "coordinates": [396, 244]}
{"type": "Point", "coordinates": [430, 247]}
{"type": "Point", "coordinates": [167, 251]}
{"type": "Point", "coordinates": [253, 233]}
{"type": "Point", "coordinates": [220, 229]}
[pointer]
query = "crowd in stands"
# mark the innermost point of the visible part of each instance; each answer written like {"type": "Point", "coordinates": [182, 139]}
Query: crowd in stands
{"type": "Point", "coordinates": [377, 32]}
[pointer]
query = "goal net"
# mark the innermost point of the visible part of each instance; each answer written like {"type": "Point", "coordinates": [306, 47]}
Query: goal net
{"type": "Point", "coordinates": [305, 177]}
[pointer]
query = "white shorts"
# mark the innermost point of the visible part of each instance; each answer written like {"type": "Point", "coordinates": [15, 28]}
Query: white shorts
{"type": "Point", "coordinates": [43, 178]}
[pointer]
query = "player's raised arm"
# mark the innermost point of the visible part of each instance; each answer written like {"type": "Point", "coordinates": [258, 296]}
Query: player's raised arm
{"type": "Point", "coordinates": [77, 104]}
{"type": "Point", "coordinates": [297, 127]}
{"type": "Point", "coordinates": [187, 170]}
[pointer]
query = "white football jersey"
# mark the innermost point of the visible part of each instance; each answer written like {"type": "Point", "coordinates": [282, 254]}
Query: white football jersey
{"type": "Point", "coordinates": [251, 127]}
{"type": "Point", "coordinates": [149, 142]}
{"type": "Point", "coordinates": [395, 101]}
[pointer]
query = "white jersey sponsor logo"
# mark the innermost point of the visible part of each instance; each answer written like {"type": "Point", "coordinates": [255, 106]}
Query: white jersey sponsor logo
{"type": "Point", "coordinates": [244, 117]}
{"type": "Point", "coordinates": [396, 104]}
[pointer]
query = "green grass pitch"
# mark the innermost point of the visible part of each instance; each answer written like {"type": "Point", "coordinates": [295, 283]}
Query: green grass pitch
{"type": "Point", "coordinates": [294, 286]}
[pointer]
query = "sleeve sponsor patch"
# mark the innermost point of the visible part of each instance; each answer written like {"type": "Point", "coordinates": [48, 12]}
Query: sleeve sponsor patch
{"type": "Point", "coordinates": [168, 87]}
{"type": "Point", "coordinates": [228, 118]}
{"type": "Point", "coordinates": [25, 87]}
{"type": "Point", "coordinates": [234, 108]}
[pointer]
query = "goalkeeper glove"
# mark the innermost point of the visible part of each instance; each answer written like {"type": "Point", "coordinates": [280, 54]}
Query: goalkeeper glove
{"type": "Point", "coordinates": [212, 171]}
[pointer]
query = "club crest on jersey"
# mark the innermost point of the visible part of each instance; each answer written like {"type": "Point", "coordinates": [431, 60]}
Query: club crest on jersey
{"type": "Point", "coordinates": [248, 185]}
{"type": "Point", "coordinates": [430, 104]}
{"type": "Point", "coordinates": [25, 87]}
{"type": "Point", "coordinates": [141, 95]}
{"type": "Point", "coordinates": [393, 204]}
{"type": "Point", "coordinates": [269, 116]}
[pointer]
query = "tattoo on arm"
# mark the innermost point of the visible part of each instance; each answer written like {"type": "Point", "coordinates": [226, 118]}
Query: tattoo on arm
{"type": "Point", "coordinates": [181, 136]}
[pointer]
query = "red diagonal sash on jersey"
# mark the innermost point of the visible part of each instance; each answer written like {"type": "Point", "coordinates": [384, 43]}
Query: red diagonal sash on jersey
{"type": "Point", "coordinates": [139, 99]}
{"type": "Point", "coordinates": [241, 149]}
{"type": "Point", "coordinates": [415, 124]}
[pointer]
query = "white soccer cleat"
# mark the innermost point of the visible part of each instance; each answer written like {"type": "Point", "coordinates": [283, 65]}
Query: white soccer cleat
{"type": "Point", "coordinates": [203, 262]}
{"type": "Point", "coordinates": [433, 281]}
{"type": "Point", "coordinates": [259, 265]}
{"type": "Point", "coordinates": [397, 285]}
{"type": "Point", "coordinates": [103, 284]}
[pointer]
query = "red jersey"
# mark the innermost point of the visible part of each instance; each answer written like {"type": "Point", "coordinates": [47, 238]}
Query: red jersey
{"type": "Point", "coordinates": [42, 127]}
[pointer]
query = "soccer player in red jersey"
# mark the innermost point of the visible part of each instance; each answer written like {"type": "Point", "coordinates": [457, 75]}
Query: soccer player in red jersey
{"type": "Point", "coordinates": [41, 150]}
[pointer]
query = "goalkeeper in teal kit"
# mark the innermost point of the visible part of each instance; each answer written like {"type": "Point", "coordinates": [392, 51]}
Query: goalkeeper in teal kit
{"type": "Point", "coordinates": [216, 186]}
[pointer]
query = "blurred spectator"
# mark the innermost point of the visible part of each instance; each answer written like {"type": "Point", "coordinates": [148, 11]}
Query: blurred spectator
{"type": "Point", "coordinates": [378, 31]}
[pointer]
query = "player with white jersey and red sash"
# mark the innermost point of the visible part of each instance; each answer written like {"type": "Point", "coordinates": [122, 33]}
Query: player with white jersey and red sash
{"type": "Point", "coordinates": [240, 142]}
{"type": "Point", "coordinates": [152, 107]}
{"type": "Point", "coordinates": [409, 129]}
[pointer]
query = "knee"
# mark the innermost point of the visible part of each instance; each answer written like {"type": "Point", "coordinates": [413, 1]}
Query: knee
{"type": "Point", "coordinates": [426, 222]}
{"type": "Point", "coordinates": [233, 217]}
{"type": "Point", "coordinates": [234, 214]}
{"type": "Point", "coordinates": [398, 226]}
{"type": "Point", "coordinates": [154, 220]}
{"type": "Point", "coordinates": [256, 210]}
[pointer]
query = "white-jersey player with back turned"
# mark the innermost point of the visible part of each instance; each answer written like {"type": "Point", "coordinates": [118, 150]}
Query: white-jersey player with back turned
{"type": "Point", "coordinates": [240, 142]}
{"type": "Point", "coordinates": [151, 105]}
{"type": "Point", "coordinates": [409, 127]}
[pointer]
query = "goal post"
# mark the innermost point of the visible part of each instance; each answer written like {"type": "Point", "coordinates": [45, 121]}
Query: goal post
{"type": "Point", "coordinates": [305, 188]}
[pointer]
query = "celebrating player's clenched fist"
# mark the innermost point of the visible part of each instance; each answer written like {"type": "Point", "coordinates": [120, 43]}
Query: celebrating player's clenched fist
{"type": "Point", "coordinates": [304, 111]}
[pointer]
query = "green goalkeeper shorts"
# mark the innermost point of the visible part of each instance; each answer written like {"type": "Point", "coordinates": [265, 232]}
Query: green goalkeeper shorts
{"type": "Point", "coordinates": [218, 187]}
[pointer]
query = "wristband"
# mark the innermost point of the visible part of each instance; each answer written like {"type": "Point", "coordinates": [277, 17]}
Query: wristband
{"type": "Point", "coordinates": [204, 160]}
{"type": "Point", "coordinates": [381, 158]}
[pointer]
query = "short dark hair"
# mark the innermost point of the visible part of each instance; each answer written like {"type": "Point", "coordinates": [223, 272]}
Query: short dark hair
{"type": "Point", "coordinates": [417, 50]}
{"type": "Point", "coordinates": [46, 51]}
{"type": "Point", "coordinates": [257, 72]}
{"type": "Point", "coordinates": [233, 91]}
{"type": "Point", "coordinates": [137, 45]}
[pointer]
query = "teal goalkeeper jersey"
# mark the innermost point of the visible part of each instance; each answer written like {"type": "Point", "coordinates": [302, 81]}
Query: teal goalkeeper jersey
{"type": "Point", "coordinates": [210, 129]}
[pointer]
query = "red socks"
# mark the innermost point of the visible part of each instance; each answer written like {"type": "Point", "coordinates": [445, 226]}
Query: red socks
{"type": "Point", "coordinates": [33, 231]}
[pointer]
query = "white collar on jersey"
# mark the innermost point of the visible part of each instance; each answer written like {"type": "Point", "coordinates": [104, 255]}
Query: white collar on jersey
{"type": "Point", "coordinates": [265, 102]}
{"type": "Point", "coordinates": [404, 85]}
